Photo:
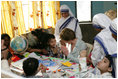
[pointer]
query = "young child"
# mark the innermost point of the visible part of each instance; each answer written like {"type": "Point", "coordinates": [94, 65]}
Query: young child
{"type": "Point", "coordinates": [31, 68]}
{"type": "Point", "coordinates": [11, 55]}
{"type": "Point", "coordinates": [53, 49]}
{"type": "Point", "coordinates": [6, 38]}
{"type": "Point", "coordinates": [4, 58]}
{"type": "Point", "coordinates": [102, 70]}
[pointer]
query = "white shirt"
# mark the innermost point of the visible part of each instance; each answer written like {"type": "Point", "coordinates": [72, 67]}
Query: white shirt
{"type": "Point", "coordinates": [5, 65]}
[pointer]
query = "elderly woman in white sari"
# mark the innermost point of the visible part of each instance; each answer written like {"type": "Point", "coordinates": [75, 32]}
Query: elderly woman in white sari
{"type": "Point", "coordinates": [113, 28]}
{"type": "Point", "coordinates": [104, 43]}
{"type": "Point", "coordinates": [67, 21]}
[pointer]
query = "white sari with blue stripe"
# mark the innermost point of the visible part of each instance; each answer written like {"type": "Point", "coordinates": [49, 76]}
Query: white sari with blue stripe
{"type": "Point", "coordinates": [71, 23]}
{"type": "Point", "coordinates": [104, 44]}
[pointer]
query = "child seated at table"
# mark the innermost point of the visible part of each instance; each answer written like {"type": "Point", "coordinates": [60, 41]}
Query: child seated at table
{"type": "Point", "coordinates": [12, 56]}
{"type": "Point", "coordinates": [102, 70]}
{"type": "Point", "coordinates": [53, 49]}
{"type": "Point", "coordinates": [31, 68]}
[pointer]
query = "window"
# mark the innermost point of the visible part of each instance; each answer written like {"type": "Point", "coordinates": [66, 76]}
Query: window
{"type": "Point", "coordinates": [40, 14]}
{"type": "Point", "coordinates": [84, 11]}
{"type": "Point", "coordinates": [25, 13]}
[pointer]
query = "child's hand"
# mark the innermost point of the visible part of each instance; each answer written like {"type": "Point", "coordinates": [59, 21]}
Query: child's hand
{"type": "Point", "coordinates": [42, 68]}
{"type": "Point", "coordinates": [55, 50]}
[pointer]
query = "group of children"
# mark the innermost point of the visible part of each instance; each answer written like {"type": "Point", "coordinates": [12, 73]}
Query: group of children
{"type": "Point", "coordinates": [46, 46]}
{"type": "Point", "coordinates": [79, 50]}
{"type": "Point", "coordinates": [39, 40]}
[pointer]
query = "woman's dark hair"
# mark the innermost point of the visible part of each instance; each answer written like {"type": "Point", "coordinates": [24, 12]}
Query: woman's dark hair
{"type": "Point", "coordinates": [34, 33]}
{"type": "Point", "coordinates": [30, 66]}
{"type": "Point", "coordinates": [42, 38]}
{"type": "Point", "coordinates": [3, 36]}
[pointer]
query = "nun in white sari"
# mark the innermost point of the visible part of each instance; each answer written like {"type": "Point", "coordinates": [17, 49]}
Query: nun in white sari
{"type": "Point", "coordinates": [113, 29]}
{"type": "Point", "coordinates": [104, 43]}
{"type": "Point", "coordinates": [67, 22]}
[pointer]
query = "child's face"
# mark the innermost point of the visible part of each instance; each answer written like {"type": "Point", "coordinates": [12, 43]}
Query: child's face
{"type": "Point", "coordinates": [103, 65]}
{"type": "Point", "coordinates": [6, 41]}
{"type": "Point", "coordinates": [52, 42]}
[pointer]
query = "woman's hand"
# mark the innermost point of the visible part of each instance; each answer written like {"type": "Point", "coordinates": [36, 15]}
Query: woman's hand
{"type": "Point", "coordinates": [62, 43]}
{"type": "Point", "coordinates": [64, 50]}
{"type": "Point", "coordinates": [83, 53]}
